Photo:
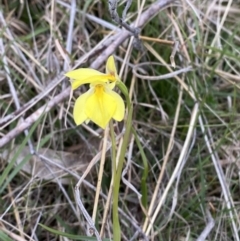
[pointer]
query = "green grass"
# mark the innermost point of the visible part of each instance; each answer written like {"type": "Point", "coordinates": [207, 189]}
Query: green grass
{"type": "Point", "coordinates": [34, 206]}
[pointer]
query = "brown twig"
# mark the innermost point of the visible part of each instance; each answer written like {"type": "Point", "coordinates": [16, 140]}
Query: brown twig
{"type": "Point", "coordinates": [34, 117]}
{"type": "Point", "coordinates": [123, 35]}
{"type": "Point", "coordinates": [118, 40]}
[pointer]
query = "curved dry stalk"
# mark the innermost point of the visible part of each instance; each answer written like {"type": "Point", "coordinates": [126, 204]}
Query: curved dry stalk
{"type": "Point", "coordinates": [208, 227]}
{"type": "Point", "coordinates": [91, 226]}
{"type": "Point", "coordinates": [180, 81]}
{"type": "Point", "coordinates": [91, 229]}
{"type": "Point", "coordinates": [159, 77]}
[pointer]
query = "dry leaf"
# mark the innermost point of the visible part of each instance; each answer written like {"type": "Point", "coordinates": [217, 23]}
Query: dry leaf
{"type": "Point", "coordinates": [52, 166]}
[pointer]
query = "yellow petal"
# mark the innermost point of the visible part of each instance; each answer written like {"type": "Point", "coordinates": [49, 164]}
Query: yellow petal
{"type": "Point", "coordinates": [101, 106]}
{"type": "Point", "coordinates": [110, 66]}
{"type": "Point", "coordinates": [85, 75]}
{"type": "Point", "coordinates": [79, 113]}
{"type": "Point", "coordinates": [120, 110]}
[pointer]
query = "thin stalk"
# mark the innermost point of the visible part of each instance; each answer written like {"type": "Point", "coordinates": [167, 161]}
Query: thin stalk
{"type": "Point", "coordinates": [117, 176]}
{"type": "Point", "coordinates": [100, 175]}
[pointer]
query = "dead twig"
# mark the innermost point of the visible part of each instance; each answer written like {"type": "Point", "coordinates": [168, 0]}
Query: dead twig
{"type": "Point", "coordinates": [34, 117]}
{"type": "Point", "coordinates": [208, 228]}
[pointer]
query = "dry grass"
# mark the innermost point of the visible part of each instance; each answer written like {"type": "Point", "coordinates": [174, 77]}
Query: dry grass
{"type": "Point", "coordinates": [188, 122]}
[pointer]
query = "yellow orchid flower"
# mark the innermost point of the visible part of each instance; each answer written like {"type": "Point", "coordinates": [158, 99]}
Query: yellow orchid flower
{"type": "Point", "coordinates": [86, 75]}
{"type": "Point", "coordinates": [100, 103]}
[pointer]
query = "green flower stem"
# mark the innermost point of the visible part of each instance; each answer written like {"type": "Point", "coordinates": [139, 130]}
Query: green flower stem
{"type": "Point", "coordinates": [124, 90]}
{"type": "Point", "coordinates": [117, 169]}
{"type": "Point", "coordinates": [117, 177]}
{"type": "Point", "coordinates": [114, 148]}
